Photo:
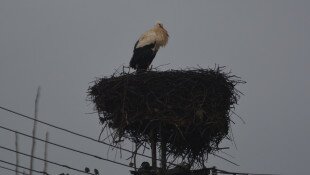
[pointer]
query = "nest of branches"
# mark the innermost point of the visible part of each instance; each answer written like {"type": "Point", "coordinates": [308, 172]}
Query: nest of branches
{"type": "Point", "coordinates": [190, 109]}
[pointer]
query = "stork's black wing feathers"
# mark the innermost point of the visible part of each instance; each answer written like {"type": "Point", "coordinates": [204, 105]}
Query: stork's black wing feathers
{"type": "Point", "coordinates": [143, 56]}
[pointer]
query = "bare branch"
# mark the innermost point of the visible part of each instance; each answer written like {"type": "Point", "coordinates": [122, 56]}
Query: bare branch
{"type": "Point", "coordinates": [34, 130]}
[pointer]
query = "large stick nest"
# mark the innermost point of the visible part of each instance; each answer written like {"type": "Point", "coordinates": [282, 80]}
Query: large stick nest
{"type": "Point", "coordinates": [189, 108]}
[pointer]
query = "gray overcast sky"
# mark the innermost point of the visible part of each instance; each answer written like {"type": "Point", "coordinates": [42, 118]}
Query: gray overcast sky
{"type": "Point", "coordinates": [62, 45]}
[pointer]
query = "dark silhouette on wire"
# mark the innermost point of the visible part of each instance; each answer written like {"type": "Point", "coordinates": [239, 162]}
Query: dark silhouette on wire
{"type": "Point", "coordinates": [96, 171]}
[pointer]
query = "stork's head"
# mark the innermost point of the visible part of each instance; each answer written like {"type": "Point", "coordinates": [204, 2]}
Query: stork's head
{"type": "Point", "coordinates": [162, 34]}
{"type": "Point", "coordinates": [159, 24]}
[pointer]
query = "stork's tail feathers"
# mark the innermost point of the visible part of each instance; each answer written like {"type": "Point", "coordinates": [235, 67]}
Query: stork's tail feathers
{"type": "Point", "coordinates": [135, 66]}
{"type": "Point", "coordinates": [132, 63]}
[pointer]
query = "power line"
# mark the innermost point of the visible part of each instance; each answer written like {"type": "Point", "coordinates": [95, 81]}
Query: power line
{"type": "Point", "coordinates": [81, 152]}
{"type": "Point", "coordinates": [6, 168]}
{"type": "Point", "coordinates": [61, 146]}
{"type": "Point", "coordinates": [92, 139]}
{"type": "Point", "coordinates": [224, 159]}
{"type": "Point", "coordinates": [69, 131]}
{"type": "Point", "coordinates": [239, 173]}
{"type": "Point", "coordinates": [41, 172]}
{"type": "Point", "coordinates": [58, 164]}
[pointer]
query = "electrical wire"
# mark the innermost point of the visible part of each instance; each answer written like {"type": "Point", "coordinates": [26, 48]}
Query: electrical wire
{"type": "Point", "coordinates": [68, 131]}
{"type": "Point", "coordinates": [224, 159]}
{"type": "Point", "coordinates": [54, 163]}
{"type": "Point", "coordinates": [239, 173]}
{"type": "Point", "coordinates": [92, 139]}
{"type": "Point", "coordinates": [95, 140]}
{"type": "Point", "coordinates": [41, 172]}
{"type": "Point", "coordinates": [6, 168]}
{"type": "Point", "coordinates": [61, 146]}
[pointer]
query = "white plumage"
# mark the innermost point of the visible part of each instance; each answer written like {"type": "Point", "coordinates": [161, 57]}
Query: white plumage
{"type": "Point", "coordinates": [147, 46]}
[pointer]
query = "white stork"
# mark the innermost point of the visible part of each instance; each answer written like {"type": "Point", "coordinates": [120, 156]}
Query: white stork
{"type": "Point", "coordinates": [147, 46]}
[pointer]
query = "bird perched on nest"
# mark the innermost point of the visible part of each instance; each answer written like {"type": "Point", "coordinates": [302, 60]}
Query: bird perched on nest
{"type": "Point", "coordinates": [147, 46]}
